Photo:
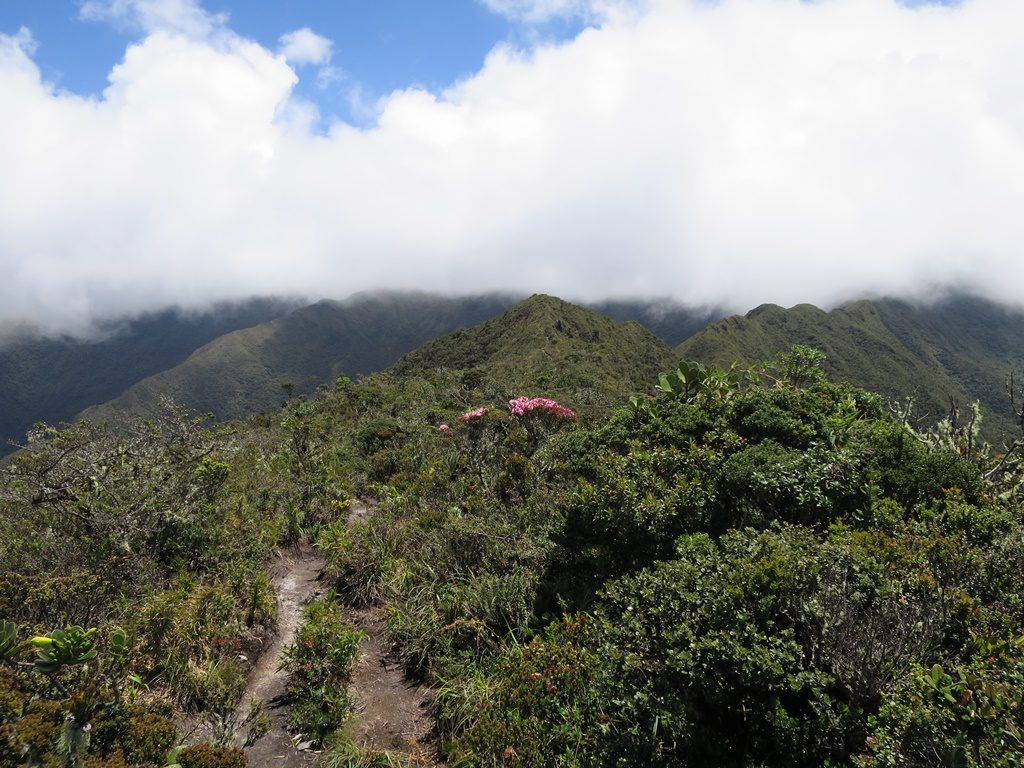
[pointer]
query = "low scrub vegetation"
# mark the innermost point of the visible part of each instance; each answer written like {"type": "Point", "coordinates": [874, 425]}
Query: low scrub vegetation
{"type": "Point", "coordinates": [319, 665]}
{"type": "Point", "coordinates": [746, 568]}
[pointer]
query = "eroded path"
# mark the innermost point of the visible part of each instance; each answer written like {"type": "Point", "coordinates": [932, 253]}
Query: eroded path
{"type": "Point", "coordinates": [390, 713]}
{"type": "Point", "coordinates": [295, 584]}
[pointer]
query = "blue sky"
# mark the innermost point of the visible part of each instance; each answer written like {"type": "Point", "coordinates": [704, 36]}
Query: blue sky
{"type": "Point", "coordinates": [379, 45]}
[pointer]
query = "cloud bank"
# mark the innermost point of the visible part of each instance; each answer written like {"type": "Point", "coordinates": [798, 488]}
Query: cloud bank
{"type": "Point", "coordinates": [734, 152]}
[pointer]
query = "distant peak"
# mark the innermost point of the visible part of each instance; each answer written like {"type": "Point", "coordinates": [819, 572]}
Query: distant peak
{"type": "Point", "coordinates": [542, 300]}
{"type": "Point", "coordinates": [764, 309]}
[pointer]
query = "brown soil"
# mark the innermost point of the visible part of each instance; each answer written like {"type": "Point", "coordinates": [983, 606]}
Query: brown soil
{"type": "Point", "coordinates": [295, 584]}
{"type": "Point", "coordinates": [391, 714]}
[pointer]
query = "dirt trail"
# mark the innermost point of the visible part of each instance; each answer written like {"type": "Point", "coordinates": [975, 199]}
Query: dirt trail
{"type": "Point", "coordinates": [390, 713]}
{"type": "Point", "coordinates": [295, 584]}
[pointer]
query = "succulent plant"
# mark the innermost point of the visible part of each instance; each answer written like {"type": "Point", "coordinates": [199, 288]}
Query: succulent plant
{"type": "Point", "coordinates": [64, 647]}
{"type": "Point", "coordinates": [118, 647]}
{"type": "Point", "coordinates": [9, 645]}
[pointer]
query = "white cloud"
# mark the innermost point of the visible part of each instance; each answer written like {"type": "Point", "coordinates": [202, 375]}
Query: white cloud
{"type": "Point", "coordinates": [304, 46]}
{"type": "Point", "coordinates": [186, 17]}
{"type": "Point", "coordinates": [541, 11]}
{"type": "Point", "coordinates": [741, 152]}
{"type": "Point", "coordinates": [536, 10]}
{"type": "Point", "coordinates": [329, 76]}
{"type": "Point", "coordinates": [19, 45]}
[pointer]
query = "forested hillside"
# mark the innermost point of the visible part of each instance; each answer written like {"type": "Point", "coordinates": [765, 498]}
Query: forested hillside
{"type": "Point", "coordinates": [553, 345]}
{"type": "Point", "coordinates": [954, 351]}
{"type": "Point", "coordinates": [254, 369]}
{"type": "Point", "coordinates": [53, 379]}
{"type": "Point", "coordinates": [960, 349]}
{"type": "Point", "coordinates": [133, 363]}
{"type": "Point", "coordinates": [243, 373]}
{"type": "Point", "coordinates": [572, 560]}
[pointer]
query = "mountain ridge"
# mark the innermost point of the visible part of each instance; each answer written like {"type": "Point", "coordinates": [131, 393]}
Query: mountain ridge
{"type": "Point", "coordinates": [889, 346]}
{"type": "Point", "coordinates": [957, 350]}
{"type": "Point", "coordinates": [53, 379]}
{"type": "Point", "coordinates": [243, 373]}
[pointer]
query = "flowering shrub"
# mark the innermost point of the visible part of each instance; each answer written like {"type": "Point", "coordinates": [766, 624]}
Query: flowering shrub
{"type": "Point", "coordinates": [474, 414]}
{"type": "Point", "coordinates": [521, 406]}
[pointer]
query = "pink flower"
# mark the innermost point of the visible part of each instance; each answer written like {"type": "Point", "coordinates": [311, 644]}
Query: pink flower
{"type": "Point", "coordinates": [521, 406]}
{"type": "Point", "coordinates": [518, 406]}
{"type": "Point", "coordinates": [445, 428]}
{"type": "Point", "coordinates": [474, 414]}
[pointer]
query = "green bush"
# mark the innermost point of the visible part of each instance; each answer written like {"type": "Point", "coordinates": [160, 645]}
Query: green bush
{"type": "Point", "coordinates": [965, 715]}
{"type": "Point", "coordinates": [115, 760]}
{"type": "Point", "coordinates": [35, 735]}
{"type": "Point", "coordinates": [209, 756]}
{"type": "Point", "coordinates": [769, 648]}
{"type": "Point", "coordinates": [767, 482]}
{"type": "Point", "coordinates": [319, 665]}
{"type": "Point", "coordinates": [906, 470]}
{"type": "Point", "coordinates": [141, 733]}
{"type": "Point", "coordinates": [148, 738]}
{"type": "Point", "coordinates": [542, 705]}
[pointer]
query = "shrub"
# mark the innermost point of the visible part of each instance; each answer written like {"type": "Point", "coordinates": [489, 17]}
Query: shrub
{"type": "Point", "coordinates": [148, 738]}
{"type": "Point", "coordinates": [194, 632]}
{"type": "Point", "coordinates": [37, 732]}
{"type": "Point", "coordinates": [319, 665]}
{"type": "Point", "coordinates": [966, 715]}
{"type": "Point", "coordinates": [142, 733]}
{"type": "Point", "coordinates": [209, 756]}
{"type": "Point", "coordinates": [115, 760]}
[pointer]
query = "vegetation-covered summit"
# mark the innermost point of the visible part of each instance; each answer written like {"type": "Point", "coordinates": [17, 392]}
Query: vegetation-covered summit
{"type": "Point", "coordinates": [548, 343]}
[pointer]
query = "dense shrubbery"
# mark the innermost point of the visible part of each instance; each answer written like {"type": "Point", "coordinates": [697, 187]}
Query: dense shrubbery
{"type": "Point", "coordinates": [767, 563]}
{"type": "Point", "coordinates": [748, 569]}
{"type": "Point", "coordinates": [75, 699]}
{"type": "Point", "coordinates": [163, 526]}
{"type": "Point", "coordinates": [207, 756]}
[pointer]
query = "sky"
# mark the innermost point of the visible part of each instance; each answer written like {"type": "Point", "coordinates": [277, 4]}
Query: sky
{"type": "Point", "coordinates": [373, 46]}
{"type": "Point", "coordinates": [727, 152]}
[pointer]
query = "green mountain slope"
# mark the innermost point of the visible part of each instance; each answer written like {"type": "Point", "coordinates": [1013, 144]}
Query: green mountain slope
{"type": "Point", "coordinates": [553, 347]}
{"type": "Point", "coordinates": [960, 349]}
{"type": "Point", "coordinates": [975, 342]}
{"type": "Point", "coordinates": [242, 373]}
{"type": "Point", "coordinates": [47, 379]}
